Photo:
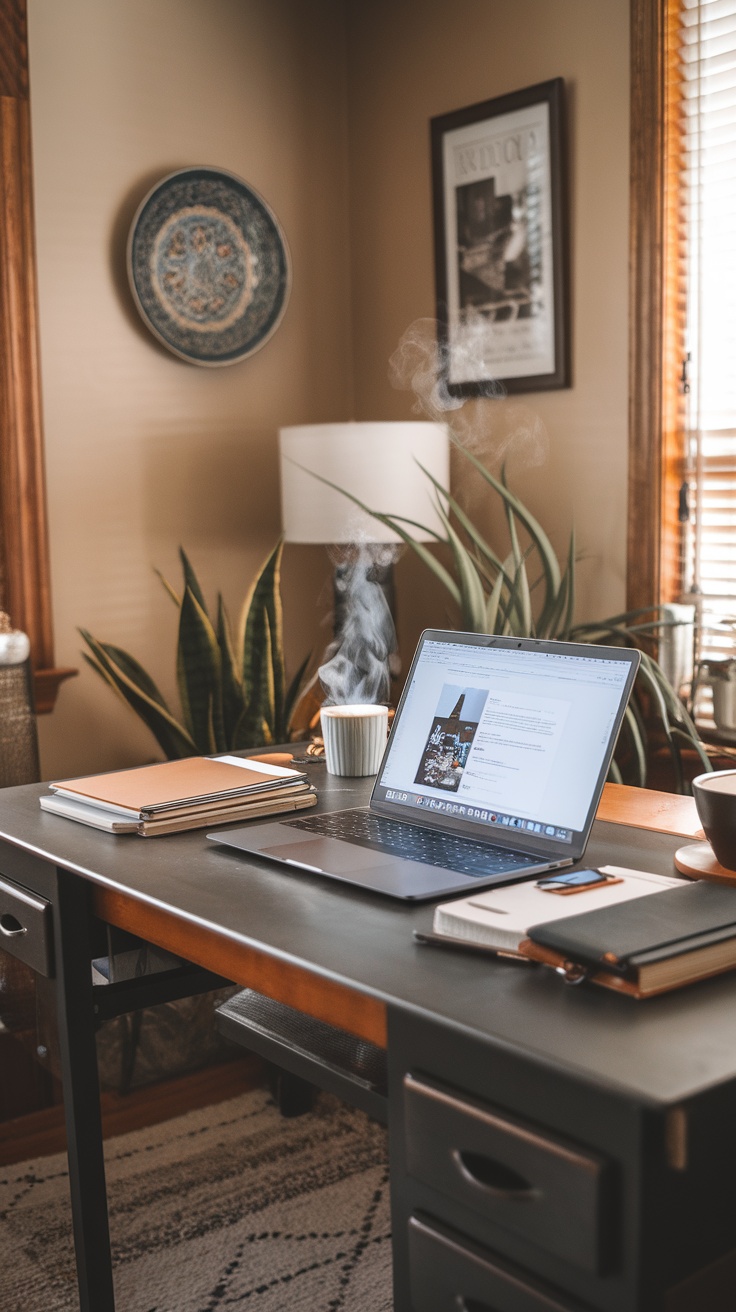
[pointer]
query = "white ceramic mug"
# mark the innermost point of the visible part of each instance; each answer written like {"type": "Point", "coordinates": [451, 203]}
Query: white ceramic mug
{"type": "Point", "coordinates": [354, 738]}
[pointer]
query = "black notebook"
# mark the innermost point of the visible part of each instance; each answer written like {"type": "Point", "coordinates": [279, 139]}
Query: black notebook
{"type": "Point", "coordinates": [649, 945]}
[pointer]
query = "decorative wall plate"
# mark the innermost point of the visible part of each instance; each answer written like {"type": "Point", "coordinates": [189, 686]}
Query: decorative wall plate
{"type": "Point", "coordinates": [208, 266]}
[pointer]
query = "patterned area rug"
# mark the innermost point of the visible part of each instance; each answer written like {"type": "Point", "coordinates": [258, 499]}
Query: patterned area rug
{"type": "Point", "coordinates": [228, 1207]}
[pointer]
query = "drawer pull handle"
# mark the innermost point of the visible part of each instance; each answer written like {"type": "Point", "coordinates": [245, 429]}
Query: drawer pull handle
{"type": "Point", "coordinates": [493, 1176]}
{"type": "Point", "coordinates": [11, 927]}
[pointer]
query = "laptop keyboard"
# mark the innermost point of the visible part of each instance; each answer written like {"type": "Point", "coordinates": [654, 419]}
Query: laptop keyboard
{"type": "Point", "coordinates": [414, 843]}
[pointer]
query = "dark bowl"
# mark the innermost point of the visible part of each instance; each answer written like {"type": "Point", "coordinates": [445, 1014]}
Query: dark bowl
{"type": "Point", "coordinates": [715, 798]}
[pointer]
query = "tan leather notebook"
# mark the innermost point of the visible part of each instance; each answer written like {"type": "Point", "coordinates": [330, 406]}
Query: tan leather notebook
{"type": "Point", "coordinates": [150, 790]}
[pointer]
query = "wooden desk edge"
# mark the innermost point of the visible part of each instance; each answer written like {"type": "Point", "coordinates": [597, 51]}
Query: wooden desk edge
{"type": "Point", "coordinates": [644, 808]}
{"type": "Point", "coordinates": [250, 967]}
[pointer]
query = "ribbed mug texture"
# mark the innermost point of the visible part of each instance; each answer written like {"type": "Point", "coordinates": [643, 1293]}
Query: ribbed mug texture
{"type": "Point", "coordinates": [354, 738]}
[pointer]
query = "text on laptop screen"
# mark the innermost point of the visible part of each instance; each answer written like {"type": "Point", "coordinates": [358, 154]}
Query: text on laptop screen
{"type": "Point", "coordinates": [511, 738]}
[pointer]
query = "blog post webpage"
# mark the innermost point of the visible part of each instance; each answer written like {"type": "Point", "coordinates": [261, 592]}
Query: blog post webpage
{"type": "Point", "coordinates": [510, 738]}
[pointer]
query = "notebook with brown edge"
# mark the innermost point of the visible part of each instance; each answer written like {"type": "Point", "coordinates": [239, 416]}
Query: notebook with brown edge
{"type": "Point", "coordinates": [249, 809]}
{"type": "Point", "coordinates": [150, 790]}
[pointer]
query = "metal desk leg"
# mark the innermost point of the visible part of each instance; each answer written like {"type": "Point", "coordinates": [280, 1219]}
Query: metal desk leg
{"type": "Point", "coordinates": [80, 1082]}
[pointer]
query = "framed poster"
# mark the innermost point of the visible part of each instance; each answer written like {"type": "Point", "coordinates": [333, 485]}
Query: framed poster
{"type": "Point", "coordinates": [499, 188]}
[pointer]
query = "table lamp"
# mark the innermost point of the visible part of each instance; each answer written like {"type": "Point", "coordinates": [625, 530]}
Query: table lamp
{"type": "Point", "coordinates": [382, 465]}
{"type": "Point", "coordinates": [377, 462]}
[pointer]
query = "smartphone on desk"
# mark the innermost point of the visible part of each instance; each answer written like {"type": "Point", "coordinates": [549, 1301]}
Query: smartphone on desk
{"type": "Point", "coordinates": [577, 881]}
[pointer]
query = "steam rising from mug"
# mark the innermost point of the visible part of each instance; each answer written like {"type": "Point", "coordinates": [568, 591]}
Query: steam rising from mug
{"type": "Point", "coordinates": [356, 668]}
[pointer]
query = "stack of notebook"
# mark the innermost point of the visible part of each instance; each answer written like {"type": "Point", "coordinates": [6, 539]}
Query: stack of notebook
{"type": "Point", "coordinates": [641, 934]}
{"type": "Point", "coordinates": [176, 795]}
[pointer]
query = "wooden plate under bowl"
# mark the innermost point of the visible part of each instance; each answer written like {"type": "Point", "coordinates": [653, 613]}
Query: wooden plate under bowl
{"type": "Point", "coordinates": [697, 861]}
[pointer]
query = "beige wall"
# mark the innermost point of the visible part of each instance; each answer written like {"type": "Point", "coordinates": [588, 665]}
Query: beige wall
{"type": "Point", "coordinates": [410, 61]}
{"type": "Point", "coordinates": [144, 451]}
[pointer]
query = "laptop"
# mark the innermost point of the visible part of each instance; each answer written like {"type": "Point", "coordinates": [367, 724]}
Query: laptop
{"type": "Point", "coordinates": [492, 773]}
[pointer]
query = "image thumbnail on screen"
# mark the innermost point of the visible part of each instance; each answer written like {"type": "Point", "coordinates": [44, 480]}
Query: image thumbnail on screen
{"type": "Point", "coordinates": [451, 736]}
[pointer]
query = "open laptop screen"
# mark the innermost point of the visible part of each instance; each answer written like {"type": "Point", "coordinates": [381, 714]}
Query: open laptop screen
{"type": "Point", "coordinates": [507, 735]}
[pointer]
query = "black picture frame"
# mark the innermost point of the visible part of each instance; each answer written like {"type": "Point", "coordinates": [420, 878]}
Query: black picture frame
{"type": "Point", "coordinates": [499, 185]}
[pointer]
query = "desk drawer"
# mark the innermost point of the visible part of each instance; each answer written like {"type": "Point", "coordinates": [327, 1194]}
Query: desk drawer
{"type": "Point", "coordinates": [25, 927]}
{"type": "Point", "coordinates": [447, 1275]}
{"type": "Point", "coordinates": [538, 1187]}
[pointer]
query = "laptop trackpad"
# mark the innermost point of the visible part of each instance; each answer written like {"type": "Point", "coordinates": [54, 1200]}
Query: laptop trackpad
{"type": "Point", "coordinates": [328, 854]}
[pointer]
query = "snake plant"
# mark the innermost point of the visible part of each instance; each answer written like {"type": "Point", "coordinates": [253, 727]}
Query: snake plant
{"type": "Point", "coordinates": [527, 592]}
{"type": "Point", "coordinates": [232, 689]}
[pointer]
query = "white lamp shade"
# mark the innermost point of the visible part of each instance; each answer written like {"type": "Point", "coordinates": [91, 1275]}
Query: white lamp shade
{"type": "Point", "coordinates": [379, 463]}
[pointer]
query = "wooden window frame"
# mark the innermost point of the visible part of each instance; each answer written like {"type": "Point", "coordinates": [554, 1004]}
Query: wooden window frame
{"type": "Point", "coordinates": [656, 319]}
{"type": "Point", "coordinates": [25, 590]}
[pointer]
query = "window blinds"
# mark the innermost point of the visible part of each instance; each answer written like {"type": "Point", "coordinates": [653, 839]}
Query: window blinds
{"type": "Point", "coordinates": [707, 35]}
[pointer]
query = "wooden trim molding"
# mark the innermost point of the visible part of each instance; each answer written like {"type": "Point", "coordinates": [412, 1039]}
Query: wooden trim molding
{"type": "Point", "coordinates": [645, 300]}
{"type": "Point", "coordinates": [657, 291]}
{"type": "Point", "coordinates": [24, 551]}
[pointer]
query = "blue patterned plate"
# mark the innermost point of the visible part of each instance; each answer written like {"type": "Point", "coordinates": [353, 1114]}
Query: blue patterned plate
{"type": "Point", "coordinates": [208, 266]}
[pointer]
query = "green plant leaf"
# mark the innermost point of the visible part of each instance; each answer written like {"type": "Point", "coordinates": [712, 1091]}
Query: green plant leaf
{"type": "Point", "coordinates": [171, 591]}
{"type": "Point", "coordinates": [520, 593]}
{"type": "Point", "coordinates": [465, 522]}
{"type": "Point", "coordinates": [472, 597]}
{"type": "Point", "coordinates": [261, 647]}
{"type": "Point", "coordinates": [492, 605]}
{"type": "Point", "coordinates": [171, 736]}
{"type": "Point", "coordinates": [570, 575]}
{"type": "Point", "coordinates": [99, 669]}
{"type": "Point", "coordinates": [199, 673]}
{"type": "Point", "coordinates": [637, 744]}
{"type": "Point", "coordinates": [547, 555]}
{"type": "Point", "coordinates": [259, 719]}
{"type": "Point", "coordinates": [523, 601]}
{"type": "Point", "coordinates": [647, 676]}
{"type": "Point", "coordinates": [512, 607]}
{"type": "Point", "coordinates": [550, 621]}
{"type": "Point", "coordinates": [435, 566]}
{"type": "Point", "coordinates": [401, 519]}
{"type": "Point", "coordinates": [556, 613]}
{"type": "Point", "coordinates": [191, 581]}
{"type": "Point", "coordinates": [134, 671]}
{"type": "Point", "coordinates": [275, 614]}
{"type": "Point", "coordinates": [233, 701]}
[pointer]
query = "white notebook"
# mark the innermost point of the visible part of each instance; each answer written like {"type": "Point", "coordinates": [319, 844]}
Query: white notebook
{"type": "Point", "coordinates": [499, 919]}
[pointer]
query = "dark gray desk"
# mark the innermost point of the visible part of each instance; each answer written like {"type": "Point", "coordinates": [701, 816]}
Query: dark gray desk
{"type": "Point", "coordinates": [612, 1124]}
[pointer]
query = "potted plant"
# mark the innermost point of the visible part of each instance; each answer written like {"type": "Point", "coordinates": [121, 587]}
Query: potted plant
{"type": "Point", "coordinates": [232, 687]}
{"type": "Point", "coordinates": [527, 592]}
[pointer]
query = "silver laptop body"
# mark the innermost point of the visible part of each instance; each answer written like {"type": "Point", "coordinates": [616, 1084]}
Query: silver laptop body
{"type": "Point", "coordinates": [492, 773]}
